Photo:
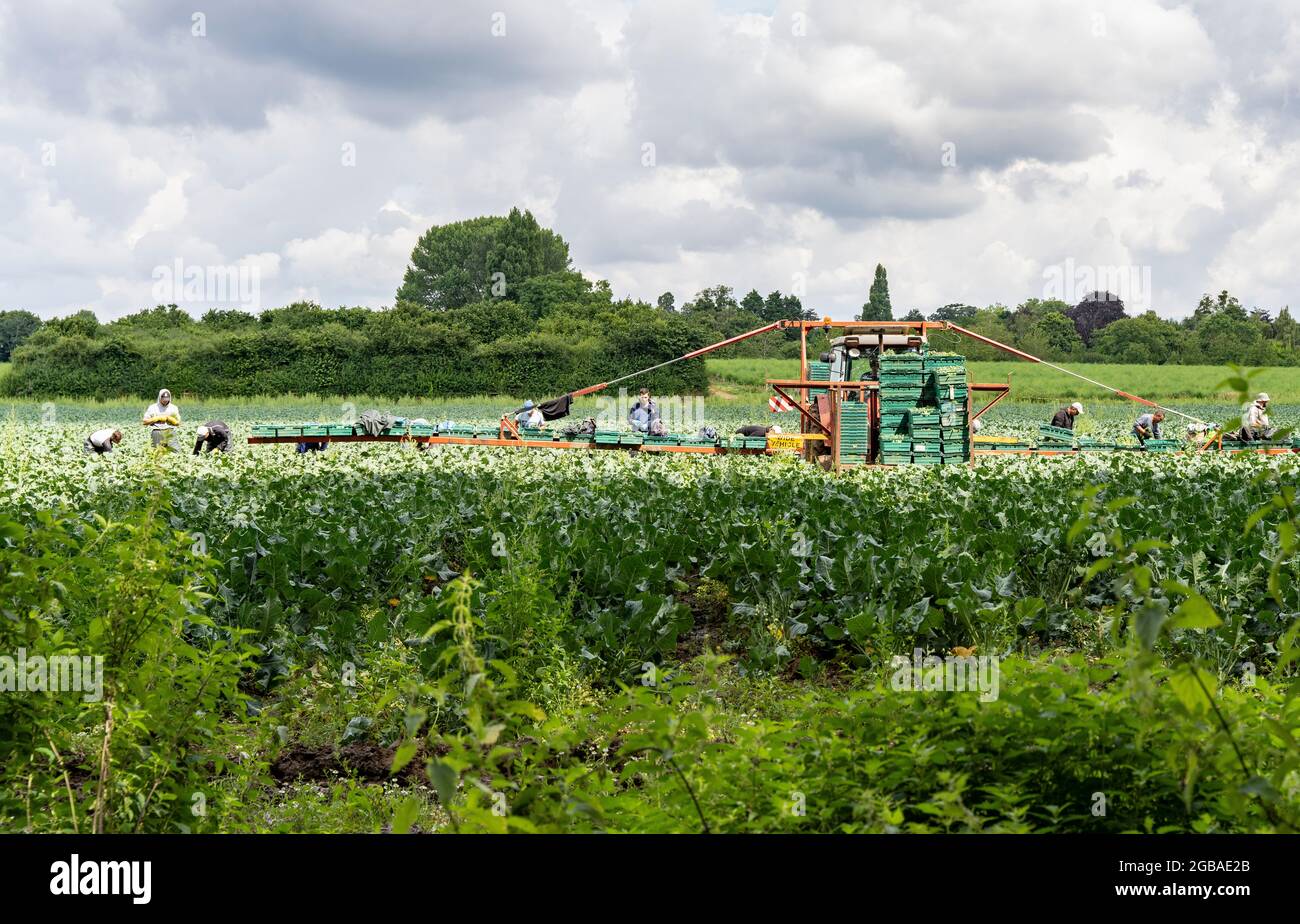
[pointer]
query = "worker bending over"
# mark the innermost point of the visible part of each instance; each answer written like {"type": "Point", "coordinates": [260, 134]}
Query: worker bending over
{"type": "Point", "coordinates": [1065, 416]}
{"type": "Point", "coordinates": [215, 435]}
{"type": "Point", "coordinates": [1255, 424]}
{"type": "Point", "coordinates": [102, 441]}
{"type": "Point", "coordinates": [1147, 427]}
{"type": "Point", "coordinates": [162, 417]}
{"type": "Point", "coordinates": [759, 430]}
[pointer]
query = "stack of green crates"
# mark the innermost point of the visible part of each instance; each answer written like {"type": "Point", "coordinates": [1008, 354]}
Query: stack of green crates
{"type": "Point", "coordinates": [1160, 445]}
{"type": "Point", "coordinates": [926, 434]}
{"type": "Point", "coordinates": [895, 449]}
{"type": "Point", "coordinates": [946, 381]}
{"type": "Point", "coordinates": [818, 372]}
{"type": "Point", "coordinates": [855, 434]}
{"type": "Point", "coordinates": [945, 376]}
{"type": "Point", "coordinates": [901, 377]}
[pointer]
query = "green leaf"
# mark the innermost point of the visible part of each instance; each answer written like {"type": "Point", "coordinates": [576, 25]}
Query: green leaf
{"type": "Point", "coordinates": [1148, 621]}
{"type": "Point", "coordinates": [1195, 613]}
{"type": "Point", "coordinates": [1186, 681]}
{"type": "Point", "coordinates": [405, 751]}
{"type": "Point", "coordinates": [444, 780]}
{"type": "Point", "coordinates": [404, 816]}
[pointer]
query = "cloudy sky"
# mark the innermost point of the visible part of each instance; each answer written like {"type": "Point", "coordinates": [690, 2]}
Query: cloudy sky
{"type": "Point", "coordinates": [990, 150]}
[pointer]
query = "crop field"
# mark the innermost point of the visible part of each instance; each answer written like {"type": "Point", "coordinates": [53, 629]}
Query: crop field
{"type": "Point", "coordinates": [377, 638]}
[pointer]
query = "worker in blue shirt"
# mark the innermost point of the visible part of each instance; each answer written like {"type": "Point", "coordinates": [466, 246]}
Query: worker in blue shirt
{"type": "Point", "coordinates": [644, 413]}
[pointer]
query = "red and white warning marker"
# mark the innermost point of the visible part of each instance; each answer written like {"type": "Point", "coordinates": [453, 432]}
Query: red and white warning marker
{"type": "Point", "coordinates": [779, 404]}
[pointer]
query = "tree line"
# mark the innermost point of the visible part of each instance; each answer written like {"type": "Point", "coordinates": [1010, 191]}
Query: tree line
{"type": "Point", "coordinates": [493, 305]}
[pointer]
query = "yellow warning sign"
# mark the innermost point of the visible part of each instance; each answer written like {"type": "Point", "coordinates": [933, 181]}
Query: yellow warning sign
{"type": "Point", "coordinates": [793, 441]}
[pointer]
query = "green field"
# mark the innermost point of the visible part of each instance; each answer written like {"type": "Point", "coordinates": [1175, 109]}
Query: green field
{"type": "Point", "coordinates": [1032, 382]}
{"type": "Point", "coordinates": [376, 638]}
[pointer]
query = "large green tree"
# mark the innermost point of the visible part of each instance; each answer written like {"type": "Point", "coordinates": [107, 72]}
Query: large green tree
{"type": "Point", "coordinates": [878, 307]}
{"type": "Point", "coordinates": [713, 300]}
{"type": "Point", "coordinates": [955, 312]}
{"type": "Point", "coordinates": [1147, 338]}
{"type": "Point", "coordinates": [15, 327]}
{"type": "Point", "coordinates": [466, 261]}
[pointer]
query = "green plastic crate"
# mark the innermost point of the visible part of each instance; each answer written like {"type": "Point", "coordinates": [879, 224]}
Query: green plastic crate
{"type": "Point", "coordinates": [1055, 434]}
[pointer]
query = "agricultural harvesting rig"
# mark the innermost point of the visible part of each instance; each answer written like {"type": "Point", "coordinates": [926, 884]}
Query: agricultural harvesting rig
{"type": "Point", "coordinates": [879, 395]}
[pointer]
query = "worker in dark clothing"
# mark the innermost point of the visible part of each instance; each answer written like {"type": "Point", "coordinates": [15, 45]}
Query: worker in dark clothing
{"type": "Point", "coordinates": [313, 446]}
{"type": "Point", "coordinates": [1065, 416]}
{"type": "Point", "coordinates": [758, 430]}
{"type": "Point", "coordinates": [215, 435]}
{"type": "Point", "coordinates": [1147, 427]}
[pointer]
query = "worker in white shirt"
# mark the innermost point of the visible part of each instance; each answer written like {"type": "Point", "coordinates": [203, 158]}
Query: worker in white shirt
{"type": "Point", "coordinates": [162, 417]}
{"type": "Point", "coordinates": [102, 441]}
{"type": "Point", "coordinates": [1255, 424]}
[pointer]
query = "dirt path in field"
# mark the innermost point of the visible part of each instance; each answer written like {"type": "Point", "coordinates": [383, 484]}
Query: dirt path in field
{"type": "Point", "coordinates": [324, 762]}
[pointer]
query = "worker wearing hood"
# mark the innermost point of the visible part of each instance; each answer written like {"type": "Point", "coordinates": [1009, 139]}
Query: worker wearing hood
{"type": "Point", "coordinates": [162, 417]}
{"type": "Point", "coordinates": [1255, 424]}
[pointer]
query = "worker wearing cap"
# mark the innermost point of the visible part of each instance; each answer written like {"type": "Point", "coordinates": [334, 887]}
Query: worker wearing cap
{"type": "Point", "coordinates": [1147, 427]}
{"type": "Point", "coordinates": [102, 441]}
{"type": "Point", "coordinates": [521, 418]}
{"type": "Point", "coordinates": [1255, 424]}
{"type": "Point", "coordinates": [1065, 416]}
{"type": "Point", "coordinates": [215, 435]}
{"type": "Point", "coordinates": [162, 417]}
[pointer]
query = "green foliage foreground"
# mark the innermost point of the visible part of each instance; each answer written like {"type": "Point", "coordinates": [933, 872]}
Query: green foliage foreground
{"type": "Point", "coordinates": [532, 642]}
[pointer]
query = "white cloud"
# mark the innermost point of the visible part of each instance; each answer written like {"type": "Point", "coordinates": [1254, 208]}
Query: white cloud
{"type": "Point", "coordinates": [790, 138]}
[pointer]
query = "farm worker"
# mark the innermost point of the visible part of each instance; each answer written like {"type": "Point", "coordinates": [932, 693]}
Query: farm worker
{"type": "Point", "coordinates": [162, 417]}
{"type": "Point", "coordinates": [313, 446]}
{"type": "Point", "coordinates": [102, 441]}
{"type": "Point", "coordinates": [215, 434]}
{"type": "Point", "coordinates": [1147, 427]}
{"type": "Point", "coordinates": [535, 419]}
{"type": "Point", "coordinates": [643, 413]}
{"type": "Point", "coordinates": [976, 425]}
{"type": "Point", "coordinates": [759, 430]}
{"type": "Point", "coordinates": [1255, 424]}
{"type": "Point", "coordinates": [521, 419]}
{"type": "Point", "coordinates": [1065, 416]}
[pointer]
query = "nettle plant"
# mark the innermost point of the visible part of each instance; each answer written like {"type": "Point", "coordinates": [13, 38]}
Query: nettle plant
{"type": "Point", "coordinates": [136, 756]}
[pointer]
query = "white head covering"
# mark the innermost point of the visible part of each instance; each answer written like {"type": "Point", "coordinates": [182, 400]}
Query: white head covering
{"type": "Point", "coordinates": [161, 392]}
{"type": "Point", "coordinates": [1077, 406]}
{"type": "Point", "coordinates": [1262, 397]}
{"type": "Point", "coordinates": [775, 429]}
{"type": "Point", "coordinates": [203, 432]}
